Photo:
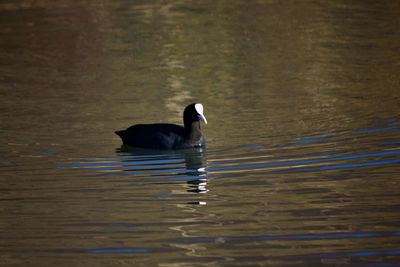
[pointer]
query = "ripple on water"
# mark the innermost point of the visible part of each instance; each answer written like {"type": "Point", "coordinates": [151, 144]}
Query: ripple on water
{"type": "Point", "coordinates": [332, 197]}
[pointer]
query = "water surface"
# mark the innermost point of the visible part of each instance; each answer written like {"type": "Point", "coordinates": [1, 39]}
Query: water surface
{"type": "Point", "coordinates": [302, 163]}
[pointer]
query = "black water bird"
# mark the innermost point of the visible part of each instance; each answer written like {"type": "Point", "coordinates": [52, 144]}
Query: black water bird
{"type": "Point", "coordinates": [168, 136]}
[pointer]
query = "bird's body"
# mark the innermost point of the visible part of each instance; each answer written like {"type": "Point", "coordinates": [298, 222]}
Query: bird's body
{"type": "Point", "coordinates": [168, 136]}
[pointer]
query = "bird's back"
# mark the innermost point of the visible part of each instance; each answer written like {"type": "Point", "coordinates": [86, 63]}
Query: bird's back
{"type": "Point", "coordinates": [156, 136]}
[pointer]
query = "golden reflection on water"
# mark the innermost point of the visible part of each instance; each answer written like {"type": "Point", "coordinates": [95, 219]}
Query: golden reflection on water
{"type": "Point", "coordinates": [137, 63]}
{"type": "Point", "coordinates": [287, 87]}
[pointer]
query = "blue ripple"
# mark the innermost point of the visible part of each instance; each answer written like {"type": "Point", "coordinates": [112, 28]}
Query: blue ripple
{"type": "Point", "coordinates": [297, 162]}
{"type": "Point", "coordinates": [374, 253]}
{"type": "Point", "coordinates": [376, 130]}
{"type": "Point", "coordinates": [386, 121]}
{"type": "Point", "coordinates": [350, 165]}
{"type": "Point", "coordinates": [94, 164]}
{"type": "Point", "coordinates": [308, 138]}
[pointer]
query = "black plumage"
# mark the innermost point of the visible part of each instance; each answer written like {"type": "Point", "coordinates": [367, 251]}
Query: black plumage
{"type": "Point", "coordinates": [168, 136]}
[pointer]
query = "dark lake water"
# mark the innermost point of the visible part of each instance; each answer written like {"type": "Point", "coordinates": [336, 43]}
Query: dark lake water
{"type": "Point", "coordinates": [302, 165]}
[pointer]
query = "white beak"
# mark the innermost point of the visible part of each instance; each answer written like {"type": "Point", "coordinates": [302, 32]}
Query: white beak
{"type": "Point", "coordinates": [202, 118]}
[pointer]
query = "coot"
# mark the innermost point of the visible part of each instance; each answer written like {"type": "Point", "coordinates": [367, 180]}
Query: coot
{"type": "Point", "coordinates": [168, 136]}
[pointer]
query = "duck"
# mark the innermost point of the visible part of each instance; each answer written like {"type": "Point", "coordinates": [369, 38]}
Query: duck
{"type": "Point", "coordinates": [162, 136]}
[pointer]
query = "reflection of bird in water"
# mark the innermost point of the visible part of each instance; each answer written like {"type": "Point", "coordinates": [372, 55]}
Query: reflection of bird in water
{"type": "Point", "coordinates": [168, 136]}
{"type": "Point", "coordinates": [193, 158]}
{"type": "Point", "coordinates": [198, 185]}
{"type": "Point", "coordinates": [195, 161]}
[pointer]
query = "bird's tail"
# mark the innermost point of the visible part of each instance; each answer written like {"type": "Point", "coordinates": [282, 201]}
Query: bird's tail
{"type": "Point", "coordinates": [119, 133]}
